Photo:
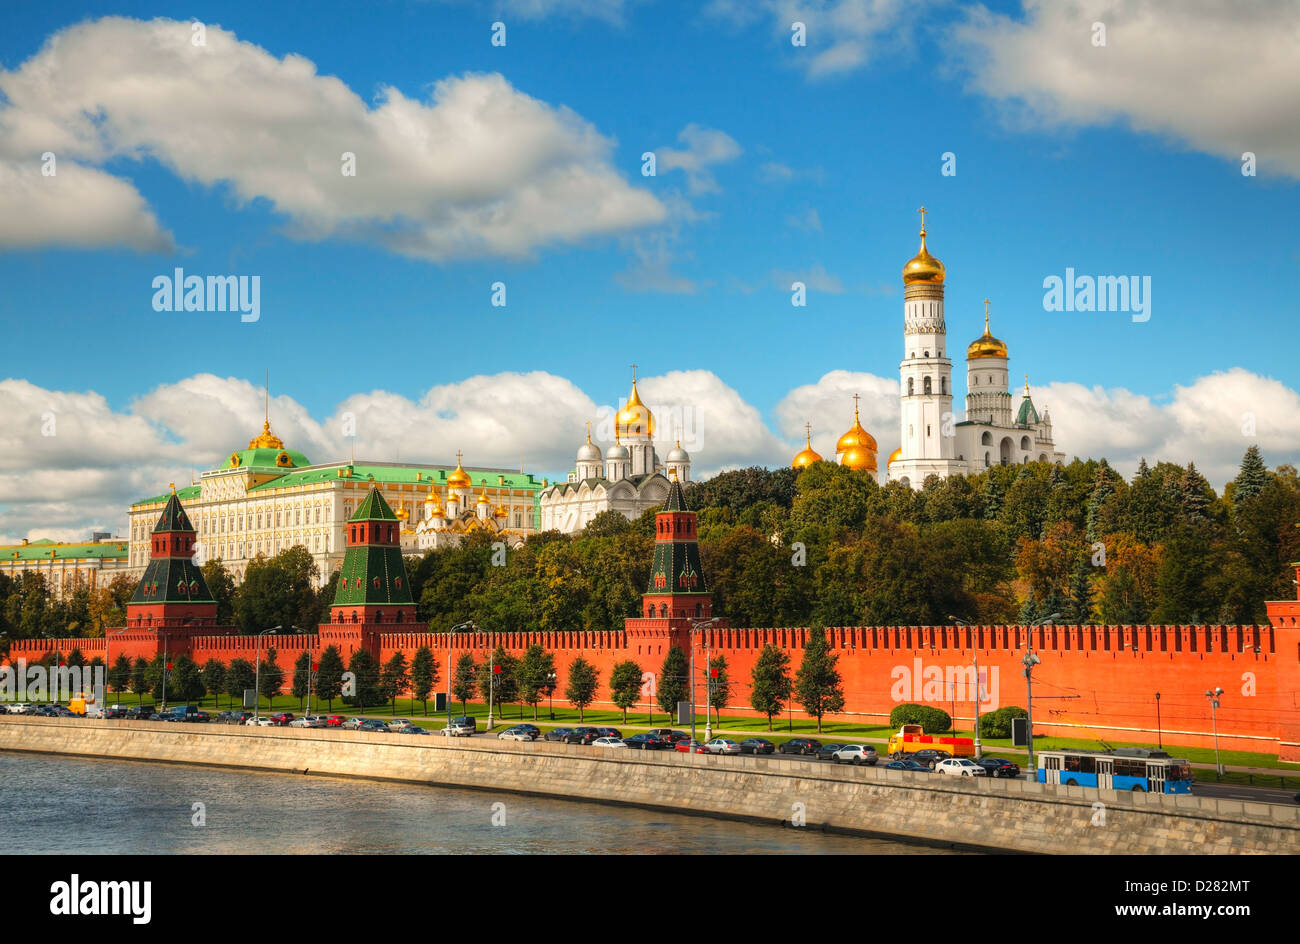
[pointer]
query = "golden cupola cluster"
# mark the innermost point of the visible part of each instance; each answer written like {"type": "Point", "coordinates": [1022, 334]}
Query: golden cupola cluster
{"type": "Point", "coordinates": [635, 420]}
{"type": "Point", "coordinates": [856, 449]}
{"type": "Point", "coordinates": [986, 345]}
{"type": "Point", "coordinates": [923, 267]}
{"type": "Point", "coordinates": [459, 478]}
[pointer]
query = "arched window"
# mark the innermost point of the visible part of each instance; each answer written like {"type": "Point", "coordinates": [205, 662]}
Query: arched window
{"type": "Point", "coordinates": [399, 616]}
{"type": "Point", "coordinates": [910, 386]}
{"type": "Point", "coordinates": [663, 610]}
{"type": "Point", "coordinates": [379, 617]}
{"type": "Point", "coordinates": [1024, 443]}
{"type": "Point", "coordinates": [986, 439]}
{"type": "Point", "coordinates": [943, 385]}
{"type": "Point", "coordinates": [354, 616]}
{"type": "Point", "coordinates": [925, 385]}
{"type": "Point", "coordinates": [650, 611]}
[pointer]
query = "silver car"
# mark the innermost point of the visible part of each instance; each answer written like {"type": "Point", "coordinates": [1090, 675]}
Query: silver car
{"type": "Point", "coordinates": [722, 746]}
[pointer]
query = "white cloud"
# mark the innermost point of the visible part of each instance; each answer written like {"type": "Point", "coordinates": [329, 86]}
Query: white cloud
{"type": "Point", "coordinates": [480, 169]}
{"type": "Point", "coordinates": [1220, 77]}
{"type": "Point", "coordinates": [828, 406]}
{"type": "Point", "coordinates": [704, 148]}
{"type": "Point", "coordinates": [613, 12]}
{"type": "Point", "coordinates": [652, 270]}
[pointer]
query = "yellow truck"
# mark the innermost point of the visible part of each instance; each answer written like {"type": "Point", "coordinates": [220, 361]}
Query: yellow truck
{"type": "Point", "coordinates": [910, 739]}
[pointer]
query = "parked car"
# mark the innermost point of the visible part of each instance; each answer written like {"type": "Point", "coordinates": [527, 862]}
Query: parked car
{"type": "Point", "coordinates": [181, 713]}
{"type": "Point", "coordinates": [930, 757]}
{"type": "Point", "coordinates": [308, 721]}
{"type": "Point", "coordinates": [722, 746]}
{"type": "Point", "coordinates": [461, 727]}
{"type": "Point", "coordinates": [398, 723]}
{"type": "Point", "coordinates": [558, 734]}
{"type": "Point", "coordinates": [515, 734]}
{"type": "Point", "coordinates": [22, 708]}
{"type": "Point", "coordinates": [644, 742]}
{"type": "Point", "coordinates": [608, 742]}
{"type": "Point", "coordinates": [352, 724]}
{"type": "Point", "coordinates": [827, 751]}
{"type": "Point", "coordinates": [690, 746]}
{"type": "Point", "coordinates": [959, 767]}
{"type": "Point", "coordinates": [757, 746]}
{"type": "Point", "coordinates": [116, 711]}
{"type": "Point", "coordinates": [800, 746]}
{"type": "Point", "coordinates": [282, 718]}
{"type": "Point", "coordinates": [669, 736]}
{"type": "Point", "coordinates": [335, 721]}
{"type": "Point", "coordinates": [999, 767]}
{"type": "Point", "coordinates": [261, 721]}
{"type": "Point", "coordinates": [907, 765]}
{"type": "Point", "coordinates": [139, 712]}
{"type": "Point", "coordinates": [583, 735]}
{"type": "Point", "coordinates": [610, 733]}
{"type": "Point", "coordinates": [373, 726]}
{"type": "Point", "coordinates": [413, 729]}
{"type": "Point", "coordinates": [232, 717]}
{"type": "Point", "coordinates": [856, 754]}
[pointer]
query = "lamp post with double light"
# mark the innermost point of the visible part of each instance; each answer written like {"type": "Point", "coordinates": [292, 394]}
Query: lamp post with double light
{"type": "Point", "coordinates": [1213, 695]}
{"type": "Point", "coordinates": [697, 626]}
{"type": "Point", "coordinates": [1029, 661]}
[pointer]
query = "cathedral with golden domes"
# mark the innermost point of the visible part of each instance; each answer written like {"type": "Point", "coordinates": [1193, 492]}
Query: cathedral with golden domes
{"type": "Point", "coordinates": [933, 441]}
{"type": "Point", "coordinates": [629, 478]}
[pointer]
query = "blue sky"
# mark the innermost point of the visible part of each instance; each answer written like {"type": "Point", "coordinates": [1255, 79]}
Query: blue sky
{"type": "Point", "coordinates": [821, 164]}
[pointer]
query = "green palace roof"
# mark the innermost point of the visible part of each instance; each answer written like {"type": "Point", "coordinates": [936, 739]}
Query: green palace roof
{"type": "Point", "coordinates": [46, 549]}
{"type": "Point", "coordinates": [184, 494]}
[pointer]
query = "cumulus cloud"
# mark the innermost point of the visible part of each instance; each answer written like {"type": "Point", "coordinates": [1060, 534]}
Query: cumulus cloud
{"type": "Point", "coordinates": [480, 169]}
{"type": "Point", "coordinates": [1219, 77]}
{"type": "Point", "coordinates": [841, 35]}
{"type": "Point", "coordinates": [704, 148]}
{"type": "Point", "coordinates": [828, 406]}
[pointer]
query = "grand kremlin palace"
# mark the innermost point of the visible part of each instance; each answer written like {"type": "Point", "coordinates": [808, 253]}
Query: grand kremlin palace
{"type": "Point", "coordinates": [267, 498]}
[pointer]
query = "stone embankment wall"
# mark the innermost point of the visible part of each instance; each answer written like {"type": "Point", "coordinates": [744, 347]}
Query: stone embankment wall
{"type": "Point", "coordinates": [992, 814]}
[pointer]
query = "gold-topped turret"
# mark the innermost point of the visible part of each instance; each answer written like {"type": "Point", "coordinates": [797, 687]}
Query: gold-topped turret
{"type": "Point", "coordinates": [923, 267]}
{"type": "Point", "coordinates": [459, 478]}
{"type": "Point", "coordinates": [807, 456]}
{"type": "Point", "coordinates": [986, 345]}
{"type": "Point", "coordinates": [635, 419]}
{"type": "Point", "coordinates": [856, 449]}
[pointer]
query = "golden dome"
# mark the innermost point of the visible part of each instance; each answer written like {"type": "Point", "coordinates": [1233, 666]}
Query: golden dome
{"type": "Point", "coordinates": [860, 458]}
{"type": "Point", "coordinates": [896, 454]}
{"type": "Point", "coordinates": [856, 436]}
{"type": "Point", "coordinates": [635, 418]}
{"type": "Point", "coordinates": [459, 478]}
{"type": "Point", "coordinates": [986, 345]}
{"type": "Point", "coordinates": [923, 267]}
{"type": "Point", "coordinates": [482, 498]}
{"type": "Point", "coordinates": [268, 440]}
{"type": "Point", "coordinates": [401, 513]}
{"type": "Point", "coordinates": [807, 456]}
{"type": "Point", "coordinates": [500, 512]}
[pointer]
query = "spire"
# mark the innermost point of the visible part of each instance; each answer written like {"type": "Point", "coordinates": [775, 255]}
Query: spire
{"type": "Point", "coordinates": [986, 318]}
{"type": "Point", "coordinates": [588, 430]}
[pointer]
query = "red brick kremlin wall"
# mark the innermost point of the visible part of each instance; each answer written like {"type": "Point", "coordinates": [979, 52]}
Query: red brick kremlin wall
{"type": "Point", "coordinates": [1093, 682]}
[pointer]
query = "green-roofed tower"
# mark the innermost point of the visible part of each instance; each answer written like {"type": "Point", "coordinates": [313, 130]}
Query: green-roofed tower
{"type": "Point", "coordinates": [677, 587]}
{"type": "Point", "coordinates": [373, 586]}
{"type": "Point", "coordinates": [172, 591]}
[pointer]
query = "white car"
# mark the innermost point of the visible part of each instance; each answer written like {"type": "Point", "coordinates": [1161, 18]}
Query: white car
{"type": "Point", "coordinates": [308, 721]}
{"type": "Point", "coordinates": [856, 754]}
{"type": "Point", "coordinates": [260, 722]}
{"type": "Point", "coordinates": [515, 734]}
{"type": "Point", "coordinates": [722, 746]}
{"type": "Point", "coordinates": [609, 742]}
{"type": "Point", "coordinates": [398, 723]}
{"type": "Point", "coordinates": [959, 767]}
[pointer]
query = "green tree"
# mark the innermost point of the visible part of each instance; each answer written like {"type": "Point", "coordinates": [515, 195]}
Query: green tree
{"type": "Point", "coordinates": [464, 684]}
{"type": "Point", "coordinates": [270, 678]}
{"type": "Point", "coordinates": [365, 671]}
{"type": "Point", "coordinates": [279, 591]}
{"type": "Point", "coordinates": [1250, 480]}
{"type": "Point", "coordinates": [1081, 592]}
{"type": "Point", "coordinates": [770, 682]}
{"type": "Point", "coordinates": [395, 678]}
{"type": "Point", "coordinates": [140, 678]}
{"type": "Point", "coordinates": [534, 674]}
{"type": "Point", "coordinates": [76, 658]}
{"type": "Point", "coordinates": [301, 677]}
{"type": "Point", "coordinates": [817, 685]}
{"type": "Point", "coordinates": [221, 583]}
{"type": "Point", "coordinates": [582, 685]}
{"type": "Point", "coordinates": [674, 680]}
{"type": "Point", "coordinates": [187, 680]}
{"type": "Point", "coordinates": [1105, 485]}
{"type": "Point", "coordinates": [214, 678]}
{"type": "Point", "coordinates": [119, 676]}
{"type": "Point", "coordinates": [160, 679]}
{"type": "Point", "coordinates": [625, 685]}
{"type": "Point", "coordinates": [424, 675]}
{"type": "Point", "coordinates": [497, 679]}
{"type": "Point", "coordinates": [329, 676]}
{"type": "Point", "coordinates": [719, 685]}
{"type": "Point", "coordinates": [240, 677]}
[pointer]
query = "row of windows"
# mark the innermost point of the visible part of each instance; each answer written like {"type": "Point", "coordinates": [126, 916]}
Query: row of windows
{"type": "Point", "coordinates": [926, 386]}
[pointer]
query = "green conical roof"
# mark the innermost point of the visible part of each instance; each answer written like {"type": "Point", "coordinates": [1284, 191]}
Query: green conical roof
{"type": "Point", "coordinates": [676, 498]}
{"type": "Point", "coordinates": [173, 517]}
{"type": "Point", "coordinates": [373, 508]}
{"type": "Point", "coordinates": [1027, 416]}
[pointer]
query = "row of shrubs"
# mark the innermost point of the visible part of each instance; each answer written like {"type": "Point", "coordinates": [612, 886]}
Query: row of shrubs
{"type": "Point", "coordinates": [993, 724]}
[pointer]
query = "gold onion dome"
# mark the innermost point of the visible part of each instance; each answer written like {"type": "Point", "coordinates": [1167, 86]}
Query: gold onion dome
{"type": "Point", "coordinates": [459, 478]}
{"type": "Point", "coordinates": [857, 436]}
{"type": "Point", "coordinates": [859, 458]}
{"type": "Point", "coordinates": [482, 497]}
{"type": "Point", "coordinates": [807, 456]}
{"type": "Point", "coordinates": [635, 418]}
{"type": "Point", "coordinates": [268, 439]}
{"type": "Point", "coordinates": [923, 267]}
{"type": "Point", "coordinates": [896, 454]}
{"type": "Point", "coordinates": [986, 345]}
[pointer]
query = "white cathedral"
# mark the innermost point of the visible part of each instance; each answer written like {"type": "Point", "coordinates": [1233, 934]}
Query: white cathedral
{"type": "Point", "coordinates": [933, 442]}
{"type": "Point", "coordinates": [629, 478]}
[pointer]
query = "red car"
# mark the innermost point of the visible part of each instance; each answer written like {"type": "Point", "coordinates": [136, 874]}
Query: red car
{"type": "Point", "coordinates": [690, 746]}
{"type": "Point", "coordinates": [335, 721]}
{"type": "Point", "coordinates": [282, 718]}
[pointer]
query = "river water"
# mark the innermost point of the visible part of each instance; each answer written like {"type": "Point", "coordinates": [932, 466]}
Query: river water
{"type": "Point", "coordinates": [70, 805]}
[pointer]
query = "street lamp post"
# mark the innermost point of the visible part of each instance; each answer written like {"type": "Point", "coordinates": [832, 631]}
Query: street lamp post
{"type": "Point", "coordinates": [553, 679]}
{"type": "Point", "coordinates": [696, 626]}
{"type": "Point", "coordinates": [1213, 696]}
{"type": "Point", "coordinates": [257, 675]}
{"type": "Point", "coordinates": [468, 625]}
{"type": "Point", "coordinates": [1029, 661]}
{"type": "Point", "coordinates": [978, 696]}
{"type": "Point", "coordinates": [1159, 737]}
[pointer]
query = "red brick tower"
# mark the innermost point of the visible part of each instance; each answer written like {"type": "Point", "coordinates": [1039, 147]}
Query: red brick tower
{"type": "Point", "coordinates": [678, 590]}
{"type": "Point", "coordinates": [1285, 617]}
{"type": "Point", "coordinates": [172, 594]}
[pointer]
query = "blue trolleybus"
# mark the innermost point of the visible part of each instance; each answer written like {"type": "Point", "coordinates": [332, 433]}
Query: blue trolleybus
{"type": "Point", "coordinates": [1125, 768]}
